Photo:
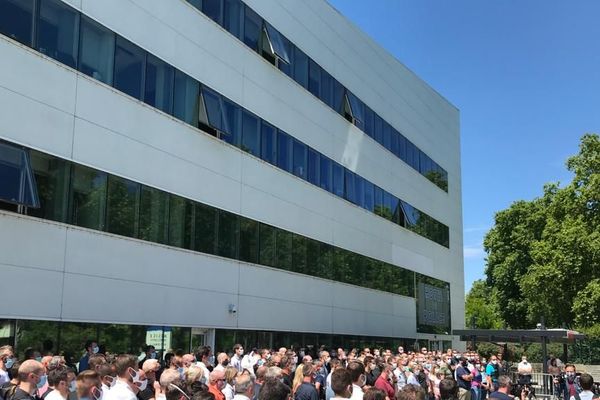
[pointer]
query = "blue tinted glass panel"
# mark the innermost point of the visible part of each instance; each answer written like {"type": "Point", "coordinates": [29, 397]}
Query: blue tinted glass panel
{"type": "Point", "coordinates": [359, 190]}
{"type": "Point", "coordinates": [286, 68]}
{"type": "Point", "coordinates": [196, 3]}
{"type": "Point", "coordinates": [18, 181]}
{"type": "Point", "coordinates": [301, 68]}
{"type": "Point", "coordinates": [313, 167]}
{"type": "Point", "coordinates": [349, 189]}
{"type": "Point", "coordinates": [338, 179]}
{"type": "Point", "coordinates": [213, 9]}
{"type": "Point", "coordinates": [96, 51]}
{"type": "Point", "coordinates": [129, 67]}
{"type": "Point", "coordinates": [327, 88]}
{"type": "Point", "coordinates": [212, 101]}
{"type": "Point", "coordinates": [268, 151]}
{"type": "Point", "coordinates": [58, 31]}
{"type": "Point", "coordinates": [378, 196]}
{"type": "Point", "coordinates": [387, 136]}
{"type": "Point", "coordinates": [398, 212]}
{"type": "Point", "coordinates": [410, 148]}
{"type": "Point", "coordinates": [394, 204]}
{"type": "Point", "coordinates": [387, 205]}
{"type": "Point", "coordinates": [378, 129]}
{"type": "Point", "coordinates": [369, 122]}
{"type": "Point", "coordinates": [402, 147]}
{"type": "Point", "coordinates": [185, 98]}
{"type": "Point", "coordinates": [369, 196]}
{"type": "Point", "coordinates": [325, 174]}
{"type": "Point", "coordinates": [250, 137]}
{"type": "Point", "coordinates": [395, 142]}
{"type": "Point", "coordinates": [16, 19]}
{"type": "Point", "coordinates": [232, 115]}
{"type": "Point", "coordinates": [425, 165]}
{"type": "Point", "coordinates": [122, 206]}
{"type": "Point", "coordinates": [252, 28]}
{"type": "Point", "coordinates": [159, 84]}
{"type": "Point", "coordinates": [338, 97]}
{"type": "Point", "coordinates": [358, 109]}
{"type": "Point", "coordinates": [279, 45]}
{"type": "Point", "coordinates": [299, 160]}
{"type": "Point", "coordinates": [232, 17]}
{"type": "Point", "coordinates": [416, 160]}
{"type": "Point", "coordinates": [314, 78]}
{"type": "Point", "coordinates": [284, 144]}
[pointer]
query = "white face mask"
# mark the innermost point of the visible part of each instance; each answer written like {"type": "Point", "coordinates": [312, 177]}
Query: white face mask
{"type": "Point", "coordinates": [73, 386]}
{"type": "Point", "coordinates": [135, 376]}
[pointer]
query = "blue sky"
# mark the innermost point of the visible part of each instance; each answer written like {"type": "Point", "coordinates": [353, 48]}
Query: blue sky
{"type": "Point", "coordinates": [525, 76]}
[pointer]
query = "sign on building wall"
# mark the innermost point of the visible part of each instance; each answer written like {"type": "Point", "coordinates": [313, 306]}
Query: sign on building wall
{"type": "Point", "coordinates": [433, 308]}
{"type": "Point", "coordinates": [154, 337]}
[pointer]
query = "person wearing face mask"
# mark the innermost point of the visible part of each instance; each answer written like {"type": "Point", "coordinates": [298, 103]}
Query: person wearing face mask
{"type": "Point", "coordinates": [464, 379]}
{"type": "Point", "coordinates": [398, 372]}
{"type": "Point", "coordinates": [216, 383]}
{"type": "Point", "coordinates": [334, 364]}
{"type": "Point", "coordinates": [524, 370]}
{"type": "Point", "coordinates": [382, 382]}
{"type": "Point", "coordinates": [91, 347]}
{"type": "Point", "coordinates": [307, 390]}
{"type": "Point", "coordinates": [341, 383]}
{"type": "Point", "coordinates": [7, 359]}
{"type": "Point", "coordinates": [370, 368]}
{"type": "Point", "coordinates": [358, 377]}
{"type": "Point", "coordinates": [150, 368]}
{"type": "Point", "coordinates": [107, 377]}
{"type": "Point", "coordinates": [222, 362]}
{"type": "Point", "coordinates": [236, 360]}
{"type": "Point", "coordinates": [130, 379]}
{"type": "Point", "coordinates": [32, 376]}
{"type": "Point", "coordinates": [492, 370]}
{"type": "Point", "coordinates": [88, 386]}
{"type": "Point", "coordinates": [571, 386]}
{"type": "Point", "coordinates": [58, 384]}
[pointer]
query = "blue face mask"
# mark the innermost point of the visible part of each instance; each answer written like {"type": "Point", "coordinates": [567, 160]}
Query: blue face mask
{"type": "Point", "coordinates": [42, 382]}
{"type": "Point", "coordinates": [9, 363]}
{"type": "Point", "coordinates": [153, 355]}
{"type": "Point", "coordinates": [38, 359]}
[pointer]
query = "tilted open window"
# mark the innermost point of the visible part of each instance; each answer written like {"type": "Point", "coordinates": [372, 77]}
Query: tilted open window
{"type": "Point", "coordinates": [353, 109]}
{"type": "Point", "coordinates": [17, 182]}
{"type": "Point", "coordinates": [212, 113]}
{"type": "Point", "coordinates": [274, 45]}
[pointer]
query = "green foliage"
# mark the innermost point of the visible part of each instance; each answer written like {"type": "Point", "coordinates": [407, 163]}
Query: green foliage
{"type": "Point", "coordinates": [544, 255]}
{"type": "Point", "coordinates": [481, 307]}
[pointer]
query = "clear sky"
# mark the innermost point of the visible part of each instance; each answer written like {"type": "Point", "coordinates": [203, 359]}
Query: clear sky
{"type": "Point", "coordinates": [525, 75]}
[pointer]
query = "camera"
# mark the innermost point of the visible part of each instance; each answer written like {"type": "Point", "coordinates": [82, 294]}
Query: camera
{"type": "Point", "coordinates": [232, 308]}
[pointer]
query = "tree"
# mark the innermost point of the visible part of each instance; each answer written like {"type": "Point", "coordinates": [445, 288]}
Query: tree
{"type": "Point", "coordinates": [481, 307]}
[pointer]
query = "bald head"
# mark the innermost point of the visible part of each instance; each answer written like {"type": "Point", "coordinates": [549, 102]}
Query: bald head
{"type": "Point", "coordinates": [187, 360]}
{"type": "Point", "coordinates": [30, 367]}
{"type": "Point", "coordinates": [216, 375]}
{"type": "Point", "coordinates": [150, 365]}
{"type": "Point", "coordinates": [168, 377]}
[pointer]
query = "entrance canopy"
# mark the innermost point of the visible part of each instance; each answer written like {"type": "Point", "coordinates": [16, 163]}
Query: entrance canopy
{"type": "Point", "coordinates": [565, 336]}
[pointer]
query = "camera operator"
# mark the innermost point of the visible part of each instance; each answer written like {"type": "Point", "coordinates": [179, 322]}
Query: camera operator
{"type": "Point", "coordinates": [587, 383]}
{"type": "Point", "coordinates": [503, 392]}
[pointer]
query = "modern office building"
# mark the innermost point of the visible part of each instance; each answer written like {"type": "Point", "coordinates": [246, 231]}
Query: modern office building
{"type": "Point", "coordinates": [215, 171]}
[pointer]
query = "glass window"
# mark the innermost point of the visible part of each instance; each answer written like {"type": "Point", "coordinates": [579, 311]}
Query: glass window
{"type": "Point", "coordinates": [387, 205]}
{"type": "Point", "coordinates": [16, 19]}
{"type": "Point", "coordinates": [424, 165]}
{"type": "Point", "coordinates": [180, 222]}
{"type": "Point", "coordinates": [378, 129]}
{"type": "Point", "coordinates": [205, 228]}
{"type": "Point", "coordinates": [58, 31]}
{"type": "Point", "coordinates": [185, 98]}
{"type": "Point", "coordinates": [299, 254]}
{"type": "Point", "coordinates": [313, 167]}
{"type": "Point", "coordinates": [52, 178]}
{"type": "Point", "coordinates": [395, 143]}
{"type": "Point", "coordinates": [313, 249]}
{"type": "Point", "coordinates": [394, 204]}
{"type": "Point", "coordinates": [378, 198]}
{"type": "Point", "coordinates": [358, 109]}
{"type": "Point", "coordinates": [122, 206]}
{"type": "Point", "coordinates": [387, 136]}
{"type": "Point", "coordinates": [338, 179]}
{"type": "Point", "coordinates": [159, 84]}
{"type": "Point", "coordinates": [232, 115]}
{"type": "Point", "coordinates": [267, 241]}
{"type": "Point", "coordinates": [96, 51]}
{"type": "Point", "coordinates": [338, 96]}
{"type": "Point", "coordinates": [402, 147]}
{"type": "Point", "coordinates": [284, 144]}
{"type": "Point", "coordinates": [196, 3]}
{"type": "Point", "coordinates": [213, 9]}
{"type": "Point", "coordinates": [252, 28]}
{"type": "Point", "coordinates": [249, 240]}
{"type": "Point", "coordinates": [154, 211]}
{"type": "Point", "coordinates": [18, 181]}
{"type": "Point", "coordinates": [229, 231]}
{"type": "Point", "coordinates": [325, 264]}
{"type": "Point", "coordinates": [369, 122]}
{"type": "Point", "coordinates": [301, 68]}
{"type": "Point", "coordinates": [284, 250]}
{"type": "Point", "coordinates": [416, 160]}
{"type": "Point", "coordinates": [232, 17]}
{"type": "Point", "coordinates": [410, 149]}
{"type": "Point", "coordinates": [287, 68]}
{"type": "Point", "coordinates": [327, 88]}
{"type": "Point", "coordinates": [325, 174]}
{"type": "Point", "coordinates": [130, 63]}
{"type": "Point", "coordinates": [277, 44]}
{"type": "Point", "coordinates": [369, 199]}
{"type": "Point", "coordinates": [299, 159]}
{"type": "Point", "coordinates": [250, 136]}
{"type": "Point", "coordinates": [359, 189]}
{"type": "Point", "coordinates": [88, 197]}
{"type": "Point", "coordinates": [399, 213]}
{"type": "Point", "coordinates": [349, 193]}
{"type": "Point", "coordinates": [214, 109]}
{"type": "Point", "coordinates": [268, 143]}
{"type": "Point", "coordinates": [314, 78]}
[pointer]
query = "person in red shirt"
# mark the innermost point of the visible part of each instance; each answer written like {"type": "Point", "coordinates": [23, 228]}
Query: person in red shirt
{"type": "Point", "coordinates": [216, 383]}
{"type": "Point", "coordinates": [383, 382]}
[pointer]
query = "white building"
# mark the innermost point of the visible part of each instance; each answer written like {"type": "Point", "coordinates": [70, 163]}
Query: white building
{"type": "Point", "coordinates": [218, 171]}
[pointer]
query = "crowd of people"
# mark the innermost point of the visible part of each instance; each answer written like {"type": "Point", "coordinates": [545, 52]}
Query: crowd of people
{"type": "Point", "coordinates": [264, 374]}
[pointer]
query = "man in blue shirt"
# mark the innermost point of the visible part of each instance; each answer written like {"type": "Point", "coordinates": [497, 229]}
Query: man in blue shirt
{"type": "Point", "coordinates": [91, 347]}
{"type": "Point", "coordinates": [463, 378]}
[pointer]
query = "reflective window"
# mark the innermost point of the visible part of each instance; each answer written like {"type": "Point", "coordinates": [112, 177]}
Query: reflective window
{"type": "Point", "coordinates": [325, 174]}
{"type": "Point", "coordinates": [369, 122]}
{"type": "Point", "coordinates": [369, 196]}
{"type": "Point", "coordinates": [205, 228]}
{"type": "Point", "coordinates": [284, 250]}
{"type": "Point", "coordinates": [122, 206]}
{"type": "Point", "coordinates": [214, 108]}
{"type": "Point", "coordinates": [252, 28]}
{"type": "Point", "coordinates": [213, 10]}
{"type": "Point", "coordinates": [18, 181]}
{"type": "Point", "coordinates": [395, 143]}
{"type": "Point", "coordinates": [278, 46]}
{"type": "Point", "coordinates": [416, 160]}
{"type": "Point", "coordinates": [16, 19]}
{"type": "Point", "coordinates": [248, 240]}
{"type": "Point", "coordinates": [314, 78]}
{"type": "Point", "coordinates": [267, 242]}
{"type": "Point", "coordinates": [301, 67]}
{"type": "Point", "coordinates": [378, 131]}
{"type": "Point", "coordinates": [52, 177]}
{"type": "Point", "coordinates": [338, 179]}
{"type": "Point", "coordinates": [232, 122]}
{"type": "Point", "coordinates": [180, 222]}
{"type": "Point", "coordinates": [96, 51]}
{"type": "Point", "coordinates": [88, 197]}
{"type": "Point", "coordinates": [299, 255]}
{"type": "Point", "coordinates": [268, 150]}
{"type": "Point", "coordinates": [402, 147]}
{"type": "Point", "coordinates": [424, 165]}
{"type": "Point", "coordinates": [232, 17]}
{"type": "Point", "coordinates": [250, 134]}
{"type": "Point", "coordinates": [288, 68]}
{"type": "Point", "coordinates": [185, 98]}
{"type": "Point", "coordinates": [327, 88]}
{"type": "Point", "coordinates": [349, 188]}
{"type": "Point", "coordinates": [387, 136]}
{"type": "Point", "coordinates": [313, 167]}
{"type": "Point", "coordinates": [410, 149]}
{"type": "Point", "coordinates": [130, 63]}
{"type": "Point", "coordinates": [359, 189]}
{"type": "Point", "coordinates": [58, 31]}
{"type": "Point", "coordinates": [357, 109]}
{"type": "Point", "coordinates": [338, 97]}
{"type": "Point", "coordinates": [229, 231]}
{"type": "Point", "coordinates": [387, 206]}
{"type": "Point", "coordinates": [378, 201]}
{"type": "Point", "coordinates": [153, 220]}
{"type": "Point", "coordinates": [159, 84]}
{"type": "Point", "coordinates": [299, 159]}
{"type": "Point", "coordinates": [284, 144]}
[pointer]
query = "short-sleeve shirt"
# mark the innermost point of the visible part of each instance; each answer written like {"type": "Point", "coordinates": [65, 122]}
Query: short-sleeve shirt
{"type": "Point", "coordinates": [306, 391]}
{"type": "Point", "coordinates": [460, 371]}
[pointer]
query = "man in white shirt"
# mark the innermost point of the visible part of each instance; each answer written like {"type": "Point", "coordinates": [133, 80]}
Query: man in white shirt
{"type": "Point", "coordinates": [524, 370]}
{"type": "Point", "coordinates": [586, 381]}
{"type": "Point", "coordinates": [341, 383]}
{"type": "Point", "coordinates": [58, 383]}
{"type": "Point", "coordinates": [236, 360]}
{"type": "Point", "coordinates": [130, 379]}
{"type": "Point", "coordinates": [357, 374]}
{"type": "Point", "coordinates": [244, 387]}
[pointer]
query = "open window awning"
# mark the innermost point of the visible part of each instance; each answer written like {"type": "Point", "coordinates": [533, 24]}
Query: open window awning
{"type": "Point", "coordinates": [519, 335]}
